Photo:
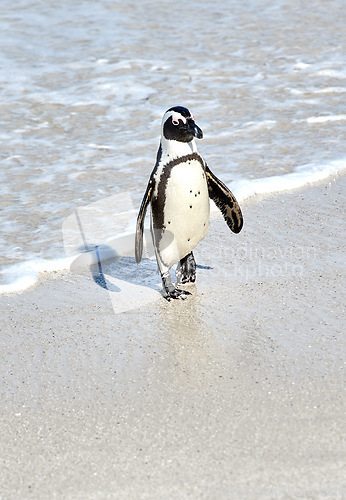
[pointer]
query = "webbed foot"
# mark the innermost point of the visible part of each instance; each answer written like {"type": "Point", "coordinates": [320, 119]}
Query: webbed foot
{"type": "Point", "coordinates": [170, 291]}
{"type": "Point", "coordinates": [177, 293]}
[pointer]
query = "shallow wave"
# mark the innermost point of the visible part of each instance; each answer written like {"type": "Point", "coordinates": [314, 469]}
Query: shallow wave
{"type": "Point", "coordinates": [324, 119]}
{"type": "Point", "coordinates": [302, 176]}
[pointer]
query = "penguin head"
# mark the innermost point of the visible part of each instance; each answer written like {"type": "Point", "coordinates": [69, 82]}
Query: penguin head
{"type": "Point", "coordinates": [178, 124]}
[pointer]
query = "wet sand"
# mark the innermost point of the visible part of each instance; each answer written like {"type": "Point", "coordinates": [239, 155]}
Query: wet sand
{"type": "Point", "coordinates": [235, 393]}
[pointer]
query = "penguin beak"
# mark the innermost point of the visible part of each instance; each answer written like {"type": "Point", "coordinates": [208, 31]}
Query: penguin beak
{"type": "Point", "coordinates": [194, 129]}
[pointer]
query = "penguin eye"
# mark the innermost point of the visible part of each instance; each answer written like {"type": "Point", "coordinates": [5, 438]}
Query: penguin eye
{"type": "Point", "coordinates": [175, 121]}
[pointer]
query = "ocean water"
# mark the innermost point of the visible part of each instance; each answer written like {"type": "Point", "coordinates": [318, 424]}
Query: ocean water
{"type": "Point", "coordinates": [84, 86]}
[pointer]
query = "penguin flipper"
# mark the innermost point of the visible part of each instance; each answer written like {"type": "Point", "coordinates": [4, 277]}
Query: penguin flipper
{"type": "Point", "coordinates": [225, 201]}
{"type": "Point", "coordinates": [140, 220]}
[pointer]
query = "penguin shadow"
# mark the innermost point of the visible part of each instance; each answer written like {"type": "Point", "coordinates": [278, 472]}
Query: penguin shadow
{"type": "Point", "coordinates": [108, 269]}
{"type": "Point", "coordinates": [98, 275]}
{"type": "Point", "coordinates": [199, 266]}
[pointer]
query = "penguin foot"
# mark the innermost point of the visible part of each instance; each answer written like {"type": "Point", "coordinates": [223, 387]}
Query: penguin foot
{"type": "Point", "coordinates": [177, 293]}
{"type": "Point", "coordinates": [186, 269]}
{"type": "Point", "coordinates": [170, 291]}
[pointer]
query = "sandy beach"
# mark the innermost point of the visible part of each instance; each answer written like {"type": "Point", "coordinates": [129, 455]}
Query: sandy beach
{"type": "Point", "coordinates": [107, 390]}
{"type": "Point", "coordinates": [235, 393]}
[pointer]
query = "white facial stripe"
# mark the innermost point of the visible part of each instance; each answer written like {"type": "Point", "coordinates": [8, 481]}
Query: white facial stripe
{"type": "Point", "coordinates": [176, 117]}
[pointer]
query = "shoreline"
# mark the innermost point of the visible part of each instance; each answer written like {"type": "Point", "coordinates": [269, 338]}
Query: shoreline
{"type": "Point", "coordinates": [236, 390]}
{"type": "Point", "coordinates": [96, 229]}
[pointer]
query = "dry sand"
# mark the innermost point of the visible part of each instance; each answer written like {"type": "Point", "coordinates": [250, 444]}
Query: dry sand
{"type": "Point", "coordinates": [235, 393]}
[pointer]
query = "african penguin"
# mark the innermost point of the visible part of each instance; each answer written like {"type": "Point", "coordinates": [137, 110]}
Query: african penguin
{"type": "Point", "coordinates": [178, 191]}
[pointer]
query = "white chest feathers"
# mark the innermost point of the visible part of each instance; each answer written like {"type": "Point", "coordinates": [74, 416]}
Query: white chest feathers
{"type": "Point", "coordinates": [182, 203]}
